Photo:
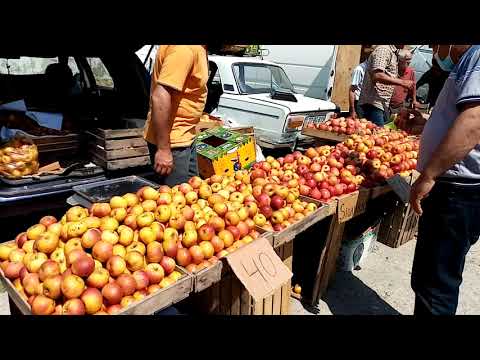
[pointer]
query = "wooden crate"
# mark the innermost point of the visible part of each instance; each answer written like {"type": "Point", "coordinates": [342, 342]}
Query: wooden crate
{"type": "Point", "coordinates": [229, 296]}
{"type": "Point", "coordinates": [152, 303]}
{"type": "Point", "coordinates": [399, 225]}
{"type": "Point", "coordinates": [118, 149]}
{"type": "Point", "coordinates": [287, 235]}
{"type": "Point", "coordinates": [324, 135]}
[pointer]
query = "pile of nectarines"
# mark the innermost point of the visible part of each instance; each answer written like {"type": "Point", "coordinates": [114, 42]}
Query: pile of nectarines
{"type": "Point", "coordinates": [346, 126]}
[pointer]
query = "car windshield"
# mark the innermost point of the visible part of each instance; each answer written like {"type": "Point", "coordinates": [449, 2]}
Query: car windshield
{"type": "Point", "coordinates": [260, 78]}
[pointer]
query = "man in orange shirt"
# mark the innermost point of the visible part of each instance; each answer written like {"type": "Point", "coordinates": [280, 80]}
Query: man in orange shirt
{"type": "Point", "coordinates": [177, 98]}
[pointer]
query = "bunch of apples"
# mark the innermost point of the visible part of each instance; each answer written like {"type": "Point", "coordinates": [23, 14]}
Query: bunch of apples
{"type": "Point", "coordinates": [278, 200]}
{"type": "Point", "coordinates": [346, 126]}
{"type": "Point", "coordinates": [382, 155]}
{"type": "Point", "coordinates": [320, 173]}
{"type": "Point", "coordinates": [94, 261]}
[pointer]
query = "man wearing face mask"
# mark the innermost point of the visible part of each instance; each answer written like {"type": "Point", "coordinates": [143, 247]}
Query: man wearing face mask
{"type": "Point", "coordinates": [447, 193]}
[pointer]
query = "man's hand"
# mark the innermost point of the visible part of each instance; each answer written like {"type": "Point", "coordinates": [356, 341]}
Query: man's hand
{"type": "Point", "coordinates": [353, 114]}
{"type": "Point", "coordinates": [420, 189]}
{"type": "Point", "coordinates": [163, 162]}
{"type": "Point", "coordinates": [408, 84]}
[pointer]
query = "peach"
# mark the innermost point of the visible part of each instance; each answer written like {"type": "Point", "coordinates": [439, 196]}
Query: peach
{"type": "Point", "coordinates": [34, 232]}
{"type": "Point", "coordinates": [98, 278]}
{"type": "Point", "coordinates": [118, 202]}
{"type": "Point", "coordinates": [42, 305]}
{"type": "Point", "coordinates": [72, 286]}
{"type": "Point", "coordinates": [134, 260]}
{"type": "Point", "coordinates": [76, 213]}
{"type": "Point", "coordinates": [102, 251]}
{"type": "Point", "coordinates": [92, 299]}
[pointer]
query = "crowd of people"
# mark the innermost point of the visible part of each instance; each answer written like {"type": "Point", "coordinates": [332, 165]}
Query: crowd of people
{"type": "Point", "coordinates": [385, 83]}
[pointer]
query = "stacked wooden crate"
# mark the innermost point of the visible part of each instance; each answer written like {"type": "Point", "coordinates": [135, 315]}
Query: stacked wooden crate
{"type": "Point", "coordinates": [118, 149]}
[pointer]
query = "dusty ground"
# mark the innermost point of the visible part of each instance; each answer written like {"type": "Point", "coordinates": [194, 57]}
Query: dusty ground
{"type": "Point", "coordinates": [382, 286]}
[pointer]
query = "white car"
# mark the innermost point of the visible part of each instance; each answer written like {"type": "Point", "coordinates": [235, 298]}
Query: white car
{"type": "Point", "coordinates": [248, 91]}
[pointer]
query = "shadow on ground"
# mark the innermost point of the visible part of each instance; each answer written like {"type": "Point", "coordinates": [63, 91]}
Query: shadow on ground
{"type": "Point", "coordinates": [348, 295]}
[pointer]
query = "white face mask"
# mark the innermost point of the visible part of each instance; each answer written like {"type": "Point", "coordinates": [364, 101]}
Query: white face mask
{"type": "Point", "coordinates": [446, 64]}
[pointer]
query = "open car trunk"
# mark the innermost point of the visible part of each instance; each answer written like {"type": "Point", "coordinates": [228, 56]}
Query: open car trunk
{"type": "Point", "coordinates": [98, 88]}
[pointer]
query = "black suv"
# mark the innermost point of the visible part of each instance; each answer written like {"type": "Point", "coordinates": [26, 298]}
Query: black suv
{"type": "Point", "coordinates": [96, 88]}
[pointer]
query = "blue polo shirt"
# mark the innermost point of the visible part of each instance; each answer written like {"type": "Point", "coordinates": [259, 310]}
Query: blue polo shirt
{"type": "Point", "coordinates": [461, 87]}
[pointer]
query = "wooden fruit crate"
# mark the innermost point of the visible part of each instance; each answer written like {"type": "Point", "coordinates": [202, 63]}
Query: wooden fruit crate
{"type": "Point", "coordinates": [118, 149]}
{"type": "Point", "coordinates": [324, 135]}
{"type": "Point", "coordinates": [152, 303]}
{"type": "Point", "coordinates": [287, 235]}
{"type": "Point", "coordinates": [399, 225]}
{"type": "Point", "coordinates": [229, 296]}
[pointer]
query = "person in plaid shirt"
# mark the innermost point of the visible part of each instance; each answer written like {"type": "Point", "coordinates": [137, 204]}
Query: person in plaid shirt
{"type": "Point", "coordinates": [380, 79]}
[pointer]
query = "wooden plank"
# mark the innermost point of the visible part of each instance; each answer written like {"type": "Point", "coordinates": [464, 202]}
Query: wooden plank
{"type": "Point", "coordinates": [277, 295]}
{"type": "Point", "coordinates": [207, 277]}
{"type": "Point", "coordinates": [257, 307]}
{"type": "Point", "coordinates": [120, 153]}
{"type": "Point", "coordinates": [126, 143]}
{"type": "Point", "coordinates": [58, 145]}
{"type": "Point", "coordinates": [226, 295]}
{"type": "Point", "coordinates": [245, 302]}
{"type": "Point", "coordinates": [122, 163]}
{"type": "Point", "coordinates": [324, 135]}
{"type": "Point", "coordinates": [348, 57]}
{"type": "Point", "coordinates": [116, 144]}
{"type": "Point", "coordinates": [362, 201]}
{"type": "Point", "coordinates": [268, 305]}
{"type": "Point", "coordinates": [287, 288]}
{"type": "Point", "coordinates": [47, 140]}
{"type": "Point", "coordinates": [236, 286]}
{"type": "Point", "coordinates": [163, 298]}
{"type": "Point", "coordinates": [212, 298]}
{"type": "Point", "coordinates": [118, 133]}
{"type": "Point", "coordinates": [328, 257]}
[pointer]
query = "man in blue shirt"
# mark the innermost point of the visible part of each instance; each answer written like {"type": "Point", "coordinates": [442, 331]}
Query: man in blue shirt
{"type": "Point", "coordinates": [447, 193]}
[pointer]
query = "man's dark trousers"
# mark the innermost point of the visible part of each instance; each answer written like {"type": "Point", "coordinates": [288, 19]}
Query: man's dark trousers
{"type": "Point", "coordinates": [185, 165]}
{"type": "Point", "coordinates": [449, 226]}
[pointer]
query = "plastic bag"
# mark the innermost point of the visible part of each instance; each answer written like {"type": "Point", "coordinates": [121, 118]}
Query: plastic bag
{"type": "Point", "coordinates": [18, 157]}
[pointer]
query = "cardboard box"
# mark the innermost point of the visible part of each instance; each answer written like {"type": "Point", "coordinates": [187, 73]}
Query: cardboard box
{"type": "Point", "coordinates": [222, 151]}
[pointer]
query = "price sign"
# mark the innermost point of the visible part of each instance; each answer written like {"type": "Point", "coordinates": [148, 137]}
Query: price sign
{"type": "Point", "coordinates": [402, 186]}
{"type": "Point", "coordinates": [259, 268]}
{"type": "Point", "coordinates": [346, 206]}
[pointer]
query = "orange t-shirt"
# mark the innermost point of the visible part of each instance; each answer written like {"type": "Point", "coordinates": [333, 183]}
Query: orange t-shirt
{"type": "Point", "coordinates": [183, 68]}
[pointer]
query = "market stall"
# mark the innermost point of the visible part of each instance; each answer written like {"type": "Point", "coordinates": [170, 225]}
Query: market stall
{"type": "Point", "coordinates": [138, 247]}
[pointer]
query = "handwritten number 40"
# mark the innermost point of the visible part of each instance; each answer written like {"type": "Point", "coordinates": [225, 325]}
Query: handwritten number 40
{"type": "Point", "coordinates": [263, 265]}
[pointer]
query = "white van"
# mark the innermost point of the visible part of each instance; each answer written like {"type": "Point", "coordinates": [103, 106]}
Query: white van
{"type": "Point", "coordinates": [309, 67]}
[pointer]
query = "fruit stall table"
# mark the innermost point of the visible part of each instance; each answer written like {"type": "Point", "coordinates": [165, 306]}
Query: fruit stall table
{"type": "Point", "coordinates": [230, 297]}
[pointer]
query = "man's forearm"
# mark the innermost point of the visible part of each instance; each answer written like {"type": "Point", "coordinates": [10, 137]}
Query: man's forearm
{"type": "Point", "coordinates": [459, 141]}
{"type": "Point", "coordinates": [161, 110]}
{"type": "Point", "coordinates": [385, 79]}
{"type": "Point", "coordinates": [351, 100]}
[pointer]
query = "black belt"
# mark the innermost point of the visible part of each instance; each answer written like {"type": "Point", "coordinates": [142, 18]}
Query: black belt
{"type": "Point", "coordinates": [459, 180]}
